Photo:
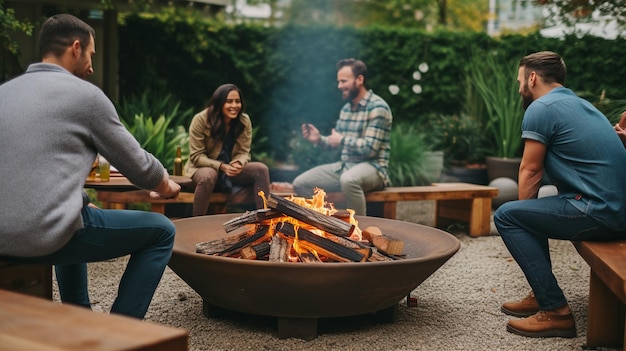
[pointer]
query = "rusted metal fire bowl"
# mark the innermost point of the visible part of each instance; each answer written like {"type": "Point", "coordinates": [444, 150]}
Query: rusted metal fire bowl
{"type": "Point", "coordinates": [307, 290]}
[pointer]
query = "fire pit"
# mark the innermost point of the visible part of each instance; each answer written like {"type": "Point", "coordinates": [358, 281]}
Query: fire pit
{"type": "Point", "coordinates": [300, 293]}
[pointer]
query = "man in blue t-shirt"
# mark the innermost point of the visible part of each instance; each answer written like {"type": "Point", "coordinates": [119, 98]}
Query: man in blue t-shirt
{"type": "Point", "coordinates": [575, 145]}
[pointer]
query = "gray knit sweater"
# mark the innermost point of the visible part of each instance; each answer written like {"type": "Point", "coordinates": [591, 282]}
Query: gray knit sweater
{"type": "Point", "coordinates": [52, 125]}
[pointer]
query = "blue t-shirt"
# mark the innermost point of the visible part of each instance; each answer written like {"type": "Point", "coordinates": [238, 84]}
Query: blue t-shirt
{"type": "Point", "coordinates": [585, 158]}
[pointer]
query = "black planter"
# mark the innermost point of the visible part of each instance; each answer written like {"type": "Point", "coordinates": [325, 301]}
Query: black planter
{"type": "Point", "coordinates": [502, 167]}
{"type": "Point", "coordinates": [464, 174]}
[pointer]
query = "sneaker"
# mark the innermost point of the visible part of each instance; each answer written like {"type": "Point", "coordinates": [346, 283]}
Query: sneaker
{"type": "Point", "coordinates": [522, 308]}
{"type": "Point", "coordinates": [544, 324]}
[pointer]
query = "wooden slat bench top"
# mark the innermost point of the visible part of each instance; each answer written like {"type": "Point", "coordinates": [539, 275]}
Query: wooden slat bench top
{"type": "Point", "coordinates": [607, 292]}
{"type": "Point", "coordinates": [437, 191]}
{"type": "Point", "coordinates": [32, 323]}
{"type": "Point", "coordinates": [608, 261]}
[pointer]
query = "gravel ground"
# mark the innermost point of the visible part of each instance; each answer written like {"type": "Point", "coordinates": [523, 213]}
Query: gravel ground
{"type": "Point", "coordinates": [458, 306]}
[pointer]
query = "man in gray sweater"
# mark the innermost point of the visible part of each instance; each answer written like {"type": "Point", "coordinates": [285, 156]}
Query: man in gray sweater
{"type": "Point", "coordinates": [53, 124]}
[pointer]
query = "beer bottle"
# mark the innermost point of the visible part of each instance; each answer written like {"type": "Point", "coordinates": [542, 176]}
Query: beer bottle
{"type": "Point", "coordinates": [94, 169]}
{"type": "Point", "coordinates": [178, 163]}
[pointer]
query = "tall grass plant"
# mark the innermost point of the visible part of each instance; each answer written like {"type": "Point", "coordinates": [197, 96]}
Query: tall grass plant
{"type": "Point", "coordinates": [495, 81]}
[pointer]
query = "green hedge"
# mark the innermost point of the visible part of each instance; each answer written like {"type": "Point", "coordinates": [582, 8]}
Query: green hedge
{"type": "Point", "coordinates": [288, 74]}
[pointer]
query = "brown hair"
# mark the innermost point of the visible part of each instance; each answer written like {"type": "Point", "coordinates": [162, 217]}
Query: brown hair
{"type": "Point", "coordinates": [59, 31]}
{"type": "Point", "coordinates": [547, 64]}
{"type": "Point", "coordinates": [358, 67]}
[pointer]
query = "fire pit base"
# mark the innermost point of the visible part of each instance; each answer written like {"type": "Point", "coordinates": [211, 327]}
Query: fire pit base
{"type": "Point", "coordinates": [299, 294]}
{"type": "Point", "coordinates": [301, 328]}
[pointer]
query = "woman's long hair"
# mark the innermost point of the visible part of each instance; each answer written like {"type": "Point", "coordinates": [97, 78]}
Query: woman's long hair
{"type": "Point", "coordinates": [215, 116]}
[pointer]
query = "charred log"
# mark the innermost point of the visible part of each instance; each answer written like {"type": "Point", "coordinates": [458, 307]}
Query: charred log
{"type": "Point", "coordinates": [256, 252]}
{"type": "Point", "coordinates": [326, 223]}
{"type": "Point", "coordinates": [214, 246]}
{"type": "Point", "coordinates": [257, 237]}
{"type": "Point", "coordinates": [250, 217]}
{"type": "Point", "coordinates": [323, 246]}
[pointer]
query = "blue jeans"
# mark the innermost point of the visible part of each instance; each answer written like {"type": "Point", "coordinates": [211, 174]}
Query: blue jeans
{"type": "Point", "coordinates": [146, 236]}
{"type": "Point", "coordinates": [525, 227]}
{"type": "Point", "coordinates": [353, 179]}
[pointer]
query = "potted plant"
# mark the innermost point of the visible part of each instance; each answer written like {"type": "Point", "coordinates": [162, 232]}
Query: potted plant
{"type": "Point", "coordinates": [494, 80]}
{"type": "Point", "coordinates": [462, 140]}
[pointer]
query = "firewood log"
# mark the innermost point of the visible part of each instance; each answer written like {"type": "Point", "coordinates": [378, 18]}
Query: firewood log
{"type": "Point", "coordinates": [250, 217]}
{"type": "Point", "coordinates": [383, 242]}
{"type": "Point", "coordinates": [326, 223]}
{"type": "Point", "coordinates": [214, 246]}
{"type": "Point", "coordinates": [279, 249]}
{"type": "Point", "coordinates": [256, 252]}
{"type": "Point", "coordinates": [323, 246]}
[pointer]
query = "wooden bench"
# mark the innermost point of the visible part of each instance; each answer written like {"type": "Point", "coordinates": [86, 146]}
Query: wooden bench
{"type": "Point", "coordinates": [454, 202]}
{"type": "Point", "coordinates": [31, 323]}
{"type": "Point", "coordinates": [31, 279]}
{"type": "Point", "coordinates": [607, 292]}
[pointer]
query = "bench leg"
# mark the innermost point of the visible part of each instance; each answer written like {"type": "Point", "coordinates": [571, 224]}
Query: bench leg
{"type": "Point", "coordinates": [480, 217]}
{"type": "Point", "coordinates": [605, 316]}
{"type": "Point", "coordinates": [157, 207]}
{"type": "Point", "coordinates": [476, 212]}
{"type": "Point", "coordinates": [30, 279]}
{"type": "Point", "coordinates": [389, 210]}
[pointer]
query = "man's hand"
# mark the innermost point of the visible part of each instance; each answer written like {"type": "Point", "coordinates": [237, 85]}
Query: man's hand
{"type": "Point", "coordinates": [310, 133]}
{"type": "Point", "coordinates": [167, 189]}
{"type": "Point", "coordinates": [335, 138]}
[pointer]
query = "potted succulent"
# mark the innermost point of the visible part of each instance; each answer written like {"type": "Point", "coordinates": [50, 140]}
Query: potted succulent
{"type": "Point", "coordinates": [494, 80]}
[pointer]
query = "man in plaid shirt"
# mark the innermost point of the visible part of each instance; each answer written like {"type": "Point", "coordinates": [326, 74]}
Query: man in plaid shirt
{"type": "Point", "coordinates": [362, 132]}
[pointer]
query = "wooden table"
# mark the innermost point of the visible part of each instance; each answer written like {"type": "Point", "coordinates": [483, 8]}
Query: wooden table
{"type": "Point", "coordinates": [32, 323]}
{"type": "Point", "coordinates": [121, 185]}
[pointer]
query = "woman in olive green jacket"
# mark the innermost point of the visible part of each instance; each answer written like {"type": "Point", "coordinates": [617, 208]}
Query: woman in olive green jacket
{"type": "Point", "coordinates": [219, 152]}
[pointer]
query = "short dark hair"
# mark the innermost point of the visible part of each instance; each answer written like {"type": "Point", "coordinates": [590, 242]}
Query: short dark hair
{"type": "Point", "coordinates": [358, 67]}
{"type": "Point", "coordinates": [547, 64]}
{"type": "Point", "coordinates": [59, 31]}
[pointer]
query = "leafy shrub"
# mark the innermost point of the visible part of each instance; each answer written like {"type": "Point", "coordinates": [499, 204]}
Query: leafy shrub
{"type": "Point", "coordinates": [494, 79]}
{"type": "Point", "coordinates": [460, 137]}
{"type": "Point", "coordinates": [306, 155]}
{"type": "Point", "coordinates": [160, 136]}
{"type": "Point", "coordinates": [407, 162]}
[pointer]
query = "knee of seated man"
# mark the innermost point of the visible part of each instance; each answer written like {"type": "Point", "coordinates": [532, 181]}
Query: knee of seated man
{"type": "Point", "coordinates": [166, 226]}
{"type": "Point", "coordinates": [348, 182]}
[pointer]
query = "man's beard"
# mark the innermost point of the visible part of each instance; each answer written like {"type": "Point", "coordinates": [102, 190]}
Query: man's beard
{"type": "Point", "coordinates": [352, 93]}
{"type": "Point", "coordinates": [527, 97]}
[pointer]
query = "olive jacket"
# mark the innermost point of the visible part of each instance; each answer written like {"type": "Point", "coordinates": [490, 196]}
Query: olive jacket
{"type": "Point", "coordinates": [203, 149]}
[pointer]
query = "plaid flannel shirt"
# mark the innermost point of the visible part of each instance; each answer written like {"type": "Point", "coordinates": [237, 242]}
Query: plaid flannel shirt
{"type": "Point", "coordinates": [366, 129]}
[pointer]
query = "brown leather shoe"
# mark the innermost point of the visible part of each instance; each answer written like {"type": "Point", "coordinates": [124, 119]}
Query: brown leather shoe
{"type": "Point", "coordinates": [522, 308]}
{"type": "Point", "coordinates": [544, 324]}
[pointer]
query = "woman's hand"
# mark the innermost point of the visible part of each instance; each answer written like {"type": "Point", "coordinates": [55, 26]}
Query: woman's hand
{"type": "Point", "coordinates": [231, 169]}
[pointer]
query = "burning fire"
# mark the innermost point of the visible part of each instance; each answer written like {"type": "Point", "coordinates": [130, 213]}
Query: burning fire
{"type": "Point", "coordinates": [317, 204]}
{"type": "Point", "coordinates": [295, 229]}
